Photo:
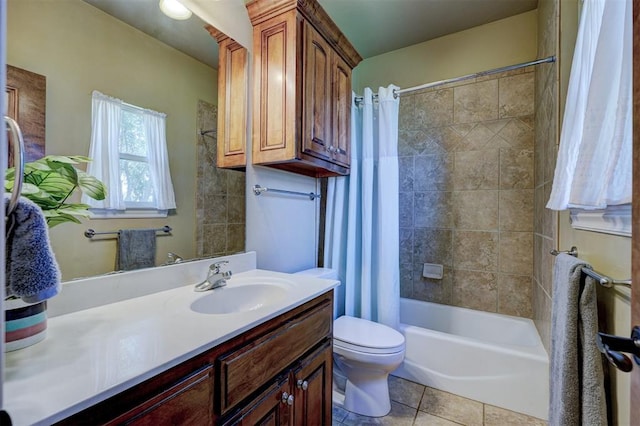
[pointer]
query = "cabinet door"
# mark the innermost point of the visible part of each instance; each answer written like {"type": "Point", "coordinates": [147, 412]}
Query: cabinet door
{"type": "Point", "coordinates": [271, 408]}
{"type": "Point", "coordinates": [341, 111]}
{"type": "Point", "coordinates": [274, 105]}
{"type": "Point", "coordinates": [313, 388]}
{"type": "Point", "coordinates": [188, 402]}
{"type": "Point", "coordinates": [232, 105]}
{"type": "Point", "coordinates": [316, 135]}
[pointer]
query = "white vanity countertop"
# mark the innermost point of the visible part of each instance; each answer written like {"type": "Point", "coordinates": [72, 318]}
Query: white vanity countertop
{"type": "Point", "coordinates": [93, 354]}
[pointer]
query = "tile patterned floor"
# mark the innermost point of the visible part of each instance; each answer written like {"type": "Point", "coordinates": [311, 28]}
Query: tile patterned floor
{"type": "Point", "coordinates": [415, 405]}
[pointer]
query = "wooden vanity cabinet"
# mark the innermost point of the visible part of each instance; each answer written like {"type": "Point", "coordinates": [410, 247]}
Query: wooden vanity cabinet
{"type": "Point", "coordinates": [277, 373]}
{"type": "Point", "coordinates": [302, 88]}
{"type": "Point", "coordinates": [232, 102]}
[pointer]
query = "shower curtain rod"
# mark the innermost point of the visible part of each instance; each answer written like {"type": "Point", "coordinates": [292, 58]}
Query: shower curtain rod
{"type": "Point", "coordinates": [398, 92]}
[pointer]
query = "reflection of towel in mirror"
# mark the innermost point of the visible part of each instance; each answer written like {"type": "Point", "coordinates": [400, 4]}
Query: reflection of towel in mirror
{"type": "Point", "coordinates": [136, 249]}
{"type": "Point", "coordinates": [32, 272]}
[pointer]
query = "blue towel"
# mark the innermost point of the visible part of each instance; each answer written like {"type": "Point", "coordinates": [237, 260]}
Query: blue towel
{"type": "Point", "coordinates": [31, 268]}
{"type": "Point", "coordinates": [136, 249]}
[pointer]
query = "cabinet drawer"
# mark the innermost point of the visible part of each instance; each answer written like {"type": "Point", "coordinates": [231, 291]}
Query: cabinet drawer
{"type": "Point", "coordinates": [248, 368]}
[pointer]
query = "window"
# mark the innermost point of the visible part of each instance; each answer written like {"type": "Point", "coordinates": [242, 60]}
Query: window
{"type": "Point", "coordinates": [128, 148]}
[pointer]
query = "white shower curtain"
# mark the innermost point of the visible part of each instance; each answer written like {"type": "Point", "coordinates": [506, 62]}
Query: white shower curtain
{"type": "Point", "coordinates": [362, 226]}
{"type": "Point", "coordinates": [593, 169]}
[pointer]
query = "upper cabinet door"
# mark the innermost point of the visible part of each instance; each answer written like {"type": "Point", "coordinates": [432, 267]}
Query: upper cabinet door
{"type": "Point", "coordinates": [316, 115]}
{"type": "Point", "coordinates": [341, 111]}
{"type": "Point", "coordinates": [232, 101]}
{"type": "Point", "coordinates": [274, 106]}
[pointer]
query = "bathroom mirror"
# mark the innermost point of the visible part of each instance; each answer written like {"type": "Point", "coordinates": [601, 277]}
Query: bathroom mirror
{"type": "Point", "coordinates": [80, 48]}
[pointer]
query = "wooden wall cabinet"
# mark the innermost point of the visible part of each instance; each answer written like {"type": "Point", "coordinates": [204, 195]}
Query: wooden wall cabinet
{"type": "Point", "coordinates": [302, 88]}
{"type": "Point", "coordinates": [277, 373]}
{"type": "Point", "coordinates": [232, 102]}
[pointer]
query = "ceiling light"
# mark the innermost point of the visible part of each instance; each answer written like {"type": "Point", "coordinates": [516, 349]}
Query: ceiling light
{"type": "Point", "coordinates": [174, 9]}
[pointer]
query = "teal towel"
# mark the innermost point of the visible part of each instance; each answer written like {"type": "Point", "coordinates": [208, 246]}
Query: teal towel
{"type": "Point", "coordinates": [31, 268]}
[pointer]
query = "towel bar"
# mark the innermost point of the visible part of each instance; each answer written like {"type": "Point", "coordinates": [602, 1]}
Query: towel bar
{"type": "Point", "coordinates": [257, 190]}
{"type": "Point", "coordinates": [603, 280]}
{"type": "Point", "coordinates": [89, 233]}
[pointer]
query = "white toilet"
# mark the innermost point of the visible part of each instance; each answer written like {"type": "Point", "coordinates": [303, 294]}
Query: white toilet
{"type": "Point", "coordinates": [364, 352]}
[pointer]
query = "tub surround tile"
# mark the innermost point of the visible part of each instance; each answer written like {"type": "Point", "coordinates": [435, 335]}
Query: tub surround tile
{"type": "Point", "coordinates": [542, 315]}
{"type": "Point", "coordinates": [235, 238]}
{"type": "Point", "coordinates": [516, 95]}
{"type": "Point", "coordinates": [452, 407]}
{"type": "Point", "coordinates": [477, 210]}
{"type": "Point", "coordinates": [516, 169]}
{"type": "Point", "coordinates": [432, 246]}
{"type": "Point", "coordinates": [406, 246]}
{"type": "Point", "coordinates": [416, 142]}
{"type": "Point", "coordinates": [475, 250]}
{"type": "Point", "coordinates": [496, 126]}
{"type": "Point", "coordinates": [519, 133]}
{"type": "Point", "coordinates": [516, 210]}
{"type": "Point", "coordinates": [405, 166]}
{"type": "Point", "coordinates": [476, 170]}
{"type": "Point", "coordinates": [430, 289]}
{"type": "Point", "coordinates": [235, 209]}
{"type": "Point", "coordinates": [405, 391]}
{"type": "Point", "coordinates": [516, 252]}
{"type": "Point", "coordinates": [406, 209]}
{"type": "Point", "coordinates": [446, 137]}
{"type": "Point", "coordinates": [515, 295]}
{"type": "Point", "coordinates": [236, 182]}
{"type": "Point", "coordinates": [406, 280]}
{"type": "Point", "coordinates": [216, 209]}
{"type": "Point", "coordinates": [475, 290]}
{"type": "Point", "coordinates": [549, 217]}
{"type": "Point", "coordinates": [215, 239]}
{"type": "Point", "coordinates": [496, 416]}
{"type": "Point", "coordinates": [476, 139]}
{"type": "Point", "coordinates": [433, 172]}
{"type": "Point", "coordinates": [476, 102]}
{"type": "Point", "coordinates": [432, 209]}
{"type": "Point", "coordinates": [434, 109]}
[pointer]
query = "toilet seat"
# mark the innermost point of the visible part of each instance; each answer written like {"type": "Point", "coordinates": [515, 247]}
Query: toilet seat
{"type": "Point", "coordinates": [365, 336]}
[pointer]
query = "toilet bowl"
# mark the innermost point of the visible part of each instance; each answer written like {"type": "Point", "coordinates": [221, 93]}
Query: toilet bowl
{"type": "Point", "coordinates": [364, 353]}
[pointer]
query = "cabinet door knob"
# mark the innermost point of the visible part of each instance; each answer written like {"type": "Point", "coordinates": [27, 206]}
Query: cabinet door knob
{"type": "Point", "coordinates": [287, 399]}
{"type": "Point", "coordinates": [302, 384]}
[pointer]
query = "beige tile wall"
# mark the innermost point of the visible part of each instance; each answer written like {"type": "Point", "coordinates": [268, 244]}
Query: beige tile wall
{"type": "Point", "coordinates": [467, 192]}
{"type": "Point", "coordinates": [220, 204]}
{"type": "Point", "coordinates": [546, 133]}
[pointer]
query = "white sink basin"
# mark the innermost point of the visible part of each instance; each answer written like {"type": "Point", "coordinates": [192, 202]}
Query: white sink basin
{"type": "Point", "coordinates": [241, 298]}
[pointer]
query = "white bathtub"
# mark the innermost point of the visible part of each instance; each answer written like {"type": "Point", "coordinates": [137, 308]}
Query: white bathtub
{"type": "Point", "coordinates": [492, 358]}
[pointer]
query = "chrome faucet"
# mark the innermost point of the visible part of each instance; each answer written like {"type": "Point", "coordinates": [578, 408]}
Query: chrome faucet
{"type": "Point", "coordinates": [215, 278]}
{"type": "Point", "coordinates": [173, 258]}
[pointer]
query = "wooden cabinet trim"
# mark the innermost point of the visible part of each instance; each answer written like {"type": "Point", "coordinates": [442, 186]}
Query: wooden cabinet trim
{"type": "Point", "coordinates": [262, 10]}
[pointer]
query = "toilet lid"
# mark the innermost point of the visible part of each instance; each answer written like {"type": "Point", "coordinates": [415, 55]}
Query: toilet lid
{"type": "Point", "coordinates": [366, 336]}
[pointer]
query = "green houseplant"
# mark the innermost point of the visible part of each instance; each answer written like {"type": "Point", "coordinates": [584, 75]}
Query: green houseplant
{"type": "Point", "coordinates": [51, 180]}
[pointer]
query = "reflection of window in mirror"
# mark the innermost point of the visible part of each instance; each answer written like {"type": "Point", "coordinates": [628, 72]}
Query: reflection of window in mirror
{"type": "Point", "coordinates": [129, 152]}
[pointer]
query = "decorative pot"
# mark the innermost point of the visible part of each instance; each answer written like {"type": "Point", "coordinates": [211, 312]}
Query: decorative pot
{"type": "Point", "coordinates": [25, 323]}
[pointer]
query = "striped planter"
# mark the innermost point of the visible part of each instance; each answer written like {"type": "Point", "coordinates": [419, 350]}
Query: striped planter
{"type": "Point", "coordinates": [25, 324]}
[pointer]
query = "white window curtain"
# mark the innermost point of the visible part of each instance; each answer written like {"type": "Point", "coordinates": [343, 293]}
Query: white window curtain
{"type": "Point", "coordinates": [154, 125]}
{"type": "Point", "coordinates": [593, 170]}
{"type": "Point", "coordinates": [362, 225]}
{"type": "Point", "coordinates": [105, 133]}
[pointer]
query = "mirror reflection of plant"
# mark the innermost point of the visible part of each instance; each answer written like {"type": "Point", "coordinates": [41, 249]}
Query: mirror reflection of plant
{"type": "Point", "coordinates": [51, 180]}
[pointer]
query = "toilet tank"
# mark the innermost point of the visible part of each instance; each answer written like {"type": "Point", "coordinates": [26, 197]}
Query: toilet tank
{"type": "Point", "coordinates": [328, 274]}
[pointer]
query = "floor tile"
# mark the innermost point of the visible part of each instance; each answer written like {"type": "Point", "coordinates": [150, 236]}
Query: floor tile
{"type": "Point", "coordinates": [452, 407]}
{"type": "Point", "coordinates": [405, 392]}
{"type": "Point", "coordinates": [426, 419]}
{"type": "Point", "coordinates": [400, 415]}
{"type": "Point", "coordinates": [495, 416]}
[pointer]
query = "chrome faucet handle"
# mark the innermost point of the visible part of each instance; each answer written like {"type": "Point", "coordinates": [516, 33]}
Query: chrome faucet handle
{"type": "Point", "coordinates": [215, 267]}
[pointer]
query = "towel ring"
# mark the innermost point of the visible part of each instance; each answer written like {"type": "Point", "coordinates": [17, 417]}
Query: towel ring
{"type": "Point", "coordinates": [18, 161]}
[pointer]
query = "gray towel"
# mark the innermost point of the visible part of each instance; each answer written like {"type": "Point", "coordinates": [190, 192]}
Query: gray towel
{"type": "Point", "coordinates": [577, 395]}
{"type": "Point", "coordinates": [136, 249]}
{"type": "Point", "coordinates": [31, 268]}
